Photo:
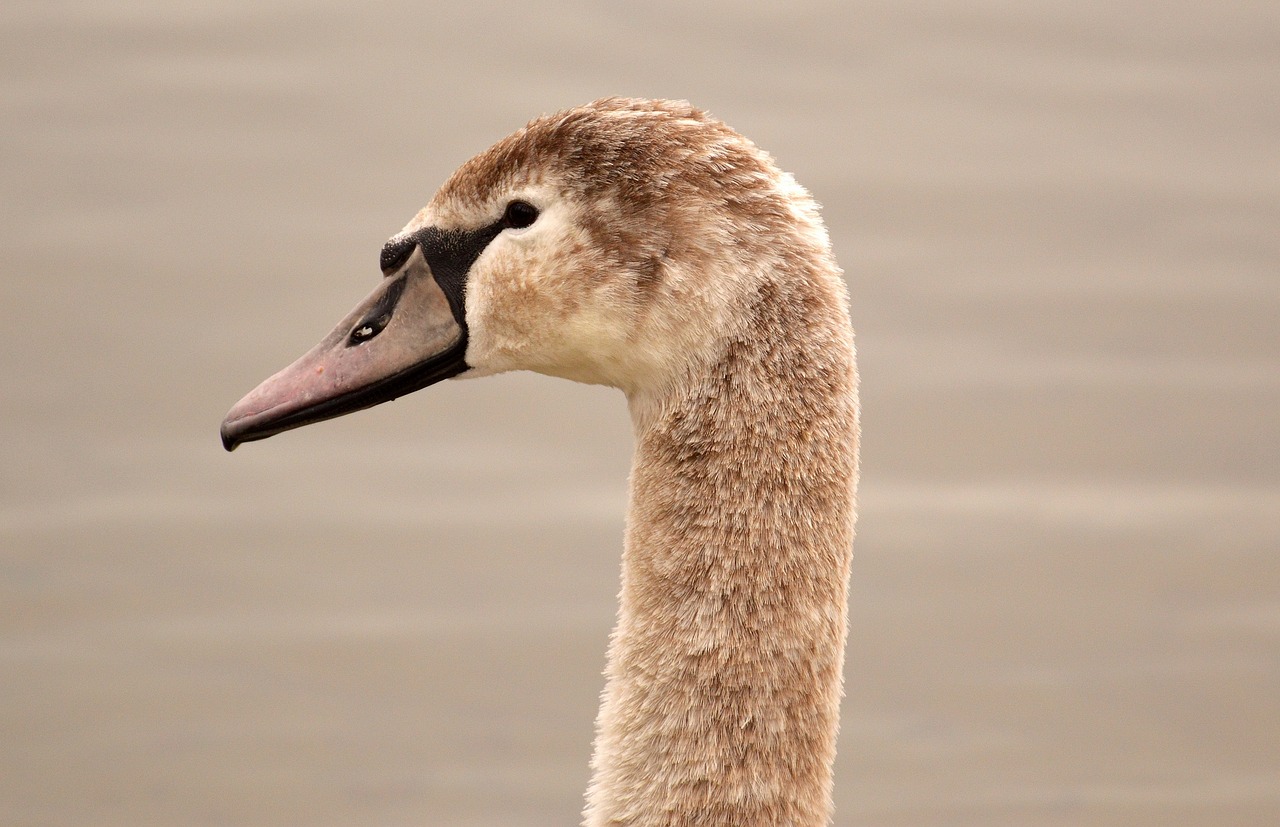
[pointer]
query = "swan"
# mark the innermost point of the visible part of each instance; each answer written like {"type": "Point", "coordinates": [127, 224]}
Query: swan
{"type": "Point", "coordinates": [645, 245]}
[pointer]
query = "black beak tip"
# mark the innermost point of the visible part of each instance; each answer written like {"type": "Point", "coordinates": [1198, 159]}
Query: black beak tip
{"type": "Point", "coordinates": [229, 439]}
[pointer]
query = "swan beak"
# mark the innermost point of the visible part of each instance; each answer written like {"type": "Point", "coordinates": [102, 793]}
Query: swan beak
{"type": "Point", "coordinates": [401, 338]}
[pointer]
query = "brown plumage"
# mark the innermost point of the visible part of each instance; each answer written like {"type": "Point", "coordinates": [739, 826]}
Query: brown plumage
{"type": "Point", "coordinates": [672, 259]}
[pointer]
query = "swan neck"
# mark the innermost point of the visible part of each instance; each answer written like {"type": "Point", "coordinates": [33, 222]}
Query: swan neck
{"type": "Point", "coordinates": [724, 676]}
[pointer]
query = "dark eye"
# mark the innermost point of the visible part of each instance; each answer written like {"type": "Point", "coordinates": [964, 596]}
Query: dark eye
{"type": "Point", "coordinates": [519, 214]}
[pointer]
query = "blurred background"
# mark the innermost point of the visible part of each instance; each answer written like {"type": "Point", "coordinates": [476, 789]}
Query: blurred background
{"type": "Point", "coordinates": [1059, 223]}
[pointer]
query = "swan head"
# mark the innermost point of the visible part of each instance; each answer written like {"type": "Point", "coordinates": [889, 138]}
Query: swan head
{"type": "Point", "coordinates": [606, 244]}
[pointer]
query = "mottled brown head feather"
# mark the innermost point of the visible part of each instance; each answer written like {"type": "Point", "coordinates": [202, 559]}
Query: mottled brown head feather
{"type": "Point", "coordinates": [647, 155]}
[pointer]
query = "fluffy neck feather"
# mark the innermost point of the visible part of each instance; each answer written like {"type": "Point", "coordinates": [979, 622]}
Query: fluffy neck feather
{"type": "Point", "coordinates": [724, 674]}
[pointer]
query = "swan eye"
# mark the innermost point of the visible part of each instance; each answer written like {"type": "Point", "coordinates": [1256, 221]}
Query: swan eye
{"type": "Point", "coordinates": [519, 214]}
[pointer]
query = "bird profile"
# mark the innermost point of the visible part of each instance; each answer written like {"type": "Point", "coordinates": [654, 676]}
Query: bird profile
{"type": "Point", "coordinates": [645, 245]}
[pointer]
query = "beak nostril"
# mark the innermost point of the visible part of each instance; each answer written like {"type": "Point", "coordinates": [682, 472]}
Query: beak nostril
{"type": "Point", "coordinates": [379, 315]}
{"type": "Point", "coordinates": [367, 329]}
